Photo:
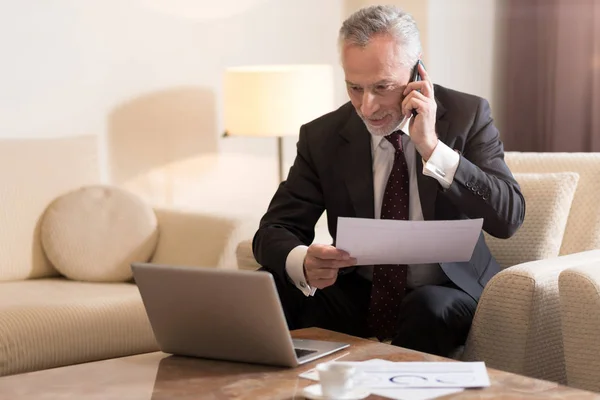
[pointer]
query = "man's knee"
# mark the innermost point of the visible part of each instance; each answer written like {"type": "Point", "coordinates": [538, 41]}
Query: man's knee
{"type": "Point", "coordinates": [422, 304]}
{"type": "Point", "coordinates": [445, 310]}
{"type": "Point", "coordinates": [438, 304]}
{"type": "Point", "coordinates": [434, 319]}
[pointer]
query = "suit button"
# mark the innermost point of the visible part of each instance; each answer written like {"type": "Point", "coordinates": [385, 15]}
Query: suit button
{"type": "Point", "coordinates": [468, 184]}
{"type": "Point", "coordinates": [480, 192]}
{"type": "Point", "coordinates": [486, 196]}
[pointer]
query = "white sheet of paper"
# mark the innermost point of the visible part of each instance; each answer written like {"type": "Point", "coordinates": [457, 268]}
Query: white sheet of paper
{"type": "Point", "coordinates": [423, 375]}
{"type": "Point", "coordinates": [385, 241]}
{"type": "Point", "coordinates": [411, 393]}
{"type": "Point", "coordinates": [379, 374]}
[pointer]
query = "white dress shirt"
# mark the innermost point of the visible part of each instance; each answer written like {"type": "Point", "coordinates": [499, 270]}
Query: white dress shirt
{"type": "Point", "coordinates": [441, 166]}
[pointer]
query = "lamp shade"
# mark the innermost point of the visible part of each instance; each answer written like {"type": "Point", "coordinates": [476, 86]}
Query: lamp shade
{"type": "Point", "coordinates": [275, 100]}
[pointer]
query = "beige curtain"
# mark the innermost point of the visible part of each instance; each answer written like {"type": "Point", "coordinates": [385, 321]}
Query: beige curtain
{"type": "Point", "coordinates": [551, 75]}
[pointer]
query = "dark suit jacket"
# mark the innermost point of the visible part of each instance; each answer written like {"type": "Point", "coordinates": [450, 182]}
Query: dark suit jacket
{"type": "Point", "coordinates": [333, 171]}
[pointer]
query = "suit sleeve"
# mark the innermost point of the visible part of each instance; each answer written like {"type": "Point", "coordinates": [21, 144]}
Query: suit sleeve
{"type": "Point", "coordinates": [483, 186]}
{"type": "Point", "coordinates": [292, 214]}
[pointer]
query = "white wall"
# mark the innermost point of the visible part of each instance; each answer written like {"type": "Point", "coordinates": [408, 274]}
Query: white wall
{"type": "Point", "coordinates": [462, 43]}
{"type": "Point", "coordinates": [145, 76]}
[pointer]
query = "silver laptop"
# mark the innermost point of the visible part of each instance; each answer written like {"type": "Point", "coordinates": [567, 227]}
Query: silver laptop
{"type": "Point", "coordinates": [222, 314]}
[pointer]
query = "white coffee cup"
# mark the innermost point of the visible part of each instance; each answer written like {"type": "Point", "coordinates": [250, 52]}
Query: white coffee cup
{"type": "Point", "coordinates": [336, 378]}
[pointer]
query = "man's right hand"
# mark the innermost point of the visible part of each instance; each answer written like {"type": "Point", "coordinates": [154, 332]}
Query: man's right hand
{"type": "Point", "coordinates": [322, 263]}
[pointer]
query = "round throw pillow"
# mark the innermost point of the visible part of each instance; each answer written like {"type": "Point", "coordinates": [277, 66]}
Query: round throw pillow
{"type": "Point", "coordinates": [96, 232]}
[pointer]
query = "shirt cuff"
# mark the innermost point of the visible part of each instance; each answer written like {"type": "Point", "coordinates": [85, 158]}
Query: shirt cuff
{"type": "Point", "coordinates": [294, 266]}
{"type": "Point", "coordinates": [442, 164]}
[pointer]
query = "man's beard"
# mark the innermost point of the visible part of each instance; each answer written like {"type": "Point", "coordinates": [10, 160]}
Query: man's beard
{"type": "Point", "coordinates": [385, 130]}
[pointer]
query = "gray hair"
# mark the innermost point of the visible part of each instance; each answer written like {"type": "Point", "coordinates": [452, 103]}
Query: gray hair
{"type": "Point", "coordinates": [367, 22]}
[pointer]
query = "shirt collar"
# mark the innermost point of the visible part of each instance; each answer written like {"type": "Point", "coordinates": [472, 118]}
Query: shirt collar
{"type": "Point", "coordinates": [376, 140]}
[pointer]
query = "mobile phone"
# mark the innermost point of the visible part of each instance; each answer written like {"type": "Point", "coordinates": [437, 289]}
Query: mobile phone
{"type": "Point", "coordinates": [415, 77]}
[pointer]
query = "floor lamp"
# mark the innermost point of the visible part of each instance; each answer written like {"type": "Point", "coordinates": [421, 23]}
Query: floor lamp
{"type": "Point", "coordinates": [275, 100]}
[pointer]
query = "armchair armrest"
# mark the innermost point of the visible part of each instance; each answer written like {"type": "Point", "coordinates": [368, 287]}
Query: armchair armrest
{"type": "Point", "coordinates": [245, 256]}
{"type": "Point", "coordinates": [194, 239]}
{"type": "Point", "coordinates": [517, 325]}
{"type": "Point", "coordinates": [579, 290]}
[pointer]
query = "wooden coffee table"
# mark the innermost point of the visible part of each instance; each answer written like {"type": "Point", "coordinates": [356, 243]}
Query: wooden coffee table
{"type": "Point", "coordinates": [161, 376]}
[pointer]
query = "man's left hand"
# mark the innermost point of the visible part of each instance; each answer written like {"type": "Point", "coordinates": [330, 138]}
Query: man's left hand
{"type": "Point", "coordinates": [422, 126]}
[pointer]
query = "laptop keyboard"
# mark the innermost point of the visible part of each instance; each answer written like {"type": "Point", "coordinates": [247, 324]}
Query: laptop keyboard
{"type": "Point", "coordinates": [303, 352]}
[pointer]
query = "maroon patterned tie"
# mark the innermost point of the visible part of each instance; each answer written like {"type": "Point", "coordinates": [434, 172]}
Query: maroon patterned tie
{"type": "Point", "coordinates": [389, 281]}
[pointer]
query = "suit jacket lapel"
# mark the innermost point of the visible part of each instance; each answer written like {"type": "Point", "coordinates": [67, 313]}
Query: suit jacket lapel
{"type": "Point", "coordinates": [428, 187]}
{"type": "Point", "coordinates": [356, 161]}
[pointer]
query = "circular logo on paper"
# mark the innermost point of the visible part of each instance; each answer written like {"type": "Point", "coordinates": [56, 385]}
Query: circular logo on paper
{"type": "Point", "coordinates": [408, 380]}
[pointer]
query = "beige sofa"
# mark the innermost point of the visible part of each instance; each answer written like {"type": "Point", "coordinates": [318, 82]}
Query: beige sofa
{"type": "Point", "coordinates": [517, 325]}
{"type": "Point", "coordinates": [48, 320]}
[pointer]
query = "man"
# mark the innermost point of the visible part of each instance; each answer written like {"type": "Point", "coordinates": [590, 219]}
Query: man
{"type": "Point", "coordinates": [361, 160]}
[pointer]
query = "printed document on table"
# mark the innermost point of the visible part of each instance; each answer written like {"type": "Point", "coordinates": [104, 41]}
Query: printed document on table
{"type": "Point", "coordinates": [423, 375]}
{"type": "Point", "coordinates": [381, 374]}
{"type": "Point", "coordinates": [395, 393]}
{"type": "Point", "coordinates": [386, 241]}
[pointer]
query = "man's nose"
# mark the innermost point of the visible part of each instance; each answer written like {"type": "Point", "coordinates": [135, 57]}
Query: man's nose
{"type": "Point", "coordinates": [369, 105]}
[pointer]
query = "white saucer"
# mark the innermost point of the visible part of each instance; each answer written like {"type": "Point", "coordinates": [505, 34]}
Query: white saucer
{"type": "Point", "coordinates": [314, 392]}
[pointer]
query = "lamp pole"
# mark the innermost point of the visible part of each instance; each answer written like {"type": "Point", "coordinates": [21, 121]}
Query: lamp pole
{"type": "Point", "coordinates": [280, 157]}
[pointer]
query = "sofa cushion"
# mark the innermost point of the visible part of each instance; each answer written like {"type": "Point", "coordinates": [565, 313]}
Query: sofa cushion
{"type": "Point", "coordinates": [583, 226]}
{"type": "Point", "coordinates": [548, 199]}
{"type": "Point", "coordinates": [96, 232]}
{"type": "Point", "coordinates": [49, 323]}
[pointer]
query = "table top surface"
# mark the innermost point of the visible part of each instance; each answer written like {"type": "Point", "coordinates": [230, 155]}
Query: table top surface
{"type": "Point", "coordinates": [162, 376]}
